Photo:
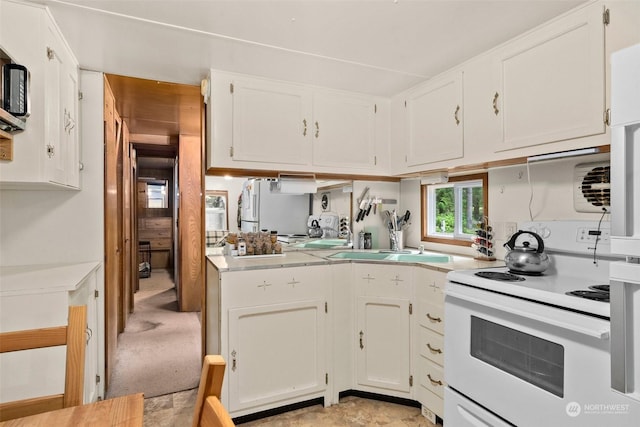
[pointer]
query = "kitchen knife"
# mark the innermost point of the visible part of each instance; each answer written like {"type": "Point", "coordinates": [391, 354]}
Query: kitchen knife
{"type": "Point", "coordinates": [369, 207]}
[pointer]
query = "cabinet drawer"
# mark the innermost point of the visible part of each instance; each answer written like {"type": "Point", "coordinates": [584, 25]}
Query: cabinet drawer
{"type": "Point", "coordinates": [161, 243]}
{"type": "Point", "coordinates": [150, 234]}
{"type": "Point", "coordinates": [383, 280]}
{"type": "Point", "coordinates": [270, 286]}
{"type": "Point", "coordinates": [158, 223]}
{"type": "Point", "coordinates": [431, 377]}
{"type": "Point", "coordinates": [432, 345]}
{"type": "Point", "coordinates": [431, 315]}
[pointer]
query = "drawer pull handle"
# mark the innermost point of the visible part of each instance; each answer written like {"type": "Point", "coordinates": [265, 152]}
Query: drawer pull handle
{"type": "Point", "coordinates": [361, 342]}
{"type": "Point", "coordinates": [434, 350]}
{"type": "Point", "coordinates": [495, 104]}
{"type": "Point", "coordinates": [455, 115]}
{"type": "Point", "coordinates": [434, 382]}
{"type": "Point", "coordinates": [304, 132]}
{"type": "Point", "coordinates": [434, 319]}
{"type": "Point", "coordinates": [233, 361]}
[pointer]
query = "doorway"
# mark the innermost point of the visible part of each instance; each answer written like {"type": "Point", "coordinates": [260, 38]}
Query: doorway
{"type": "Point", "coordinates": [154, 175]}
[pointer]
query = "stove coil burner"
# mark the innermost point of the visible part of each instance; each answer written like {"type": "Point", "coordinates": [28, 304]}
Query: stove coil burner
{"type": "Point", "coordinates": [498, 275]}
{"type": "Point", "coordinates": [592, 295]}
{"type": "Point", "coordinates": [602, 288]}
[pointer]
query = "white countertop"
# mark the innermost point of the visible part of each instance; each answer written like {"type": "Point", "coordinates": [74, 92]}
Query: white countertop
{"type": "Point", "coordinates": [318, 257]}
{"type": "Point", "coordinates": [43, 278]}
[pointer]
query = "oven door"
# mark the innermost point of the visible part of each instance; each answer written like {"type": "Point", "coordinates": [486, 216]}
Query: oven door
{"type": "Point", "coordinates": [529, 363]}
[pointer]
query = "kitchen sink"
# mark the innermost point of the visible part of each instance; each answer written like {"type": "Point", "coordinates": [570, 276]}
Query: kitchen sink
{"type": "Point", "coordinates": [359, 255]}
{"type": "Point", "coordinates": [322, 244]}
{"type": "Point", "coordinates": [398, 257]}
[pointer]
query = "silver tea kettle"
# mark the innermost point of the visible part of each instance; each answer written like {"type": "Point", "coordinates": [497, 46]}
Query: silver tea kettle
{"type": "Point", "coordinates": [524, 259]}
{"type": "Point", "coordinates": [315, 230]}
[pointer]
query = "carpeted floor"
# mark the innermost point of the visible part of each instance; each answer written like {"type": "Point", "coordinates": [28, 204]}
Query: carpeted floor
{"type": "Point", "coordinates": [159, 351]}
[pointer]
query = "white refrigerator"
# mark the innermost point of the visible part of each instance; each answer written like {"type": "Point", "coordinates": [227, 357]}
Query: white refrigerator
{"type": "Point", "coordinates": [625, 221]}
{"type": "Point", "coordinates": [263, 209]}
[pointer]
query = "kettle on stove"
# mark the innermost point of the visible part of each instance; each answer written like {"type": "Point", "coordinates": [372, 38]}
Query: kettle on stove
{"type": "Point", "coordinates": [315, 230]}
{"type": "Point", "coordinates": [525, 259]}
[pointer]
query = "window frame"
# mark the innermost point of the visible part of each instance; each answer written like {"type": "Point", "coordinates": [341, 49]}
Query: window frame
{"type": "Point", "coordinates": [424, 209]}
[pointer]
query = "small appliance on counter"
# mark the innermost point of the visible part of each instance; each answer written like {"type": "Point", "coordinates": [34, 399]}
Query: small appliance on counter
{"type": "Point", "coordinates": [329, 224]}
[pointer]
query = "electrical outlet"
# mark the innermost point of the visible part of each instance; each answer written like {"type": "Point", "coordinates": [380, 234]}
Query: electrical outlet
{"type": "Point", "coordinates": [510, 229]}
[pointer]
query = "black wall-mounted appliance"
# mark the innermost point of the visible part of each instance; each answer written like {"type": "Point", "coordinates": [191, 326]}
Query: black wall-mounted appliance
{"type": "Point", "coordinates": [15, 87]}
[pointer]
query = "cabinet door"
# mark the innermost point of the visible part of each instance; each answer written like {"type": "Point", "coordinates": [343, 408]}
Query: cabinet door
{"type": "Point", "coordinates": [271, 122]}
{"type": "Point", "coordinates": [276, 352]}
{"type": "Point", "coordinates": [553, 81]}
{"type": "Point", "coordinates": [343, 131]}
{"type": "Point", "coordinates": [69, 89]}
{"type": "Point", "coordinates": [85, 294]}
{"type": "Point", "coordinates": [434, 120]}
{"type": "Point", "coordinates": [56, 150]}
{"type": "Point", "coordinates": [383, 345]}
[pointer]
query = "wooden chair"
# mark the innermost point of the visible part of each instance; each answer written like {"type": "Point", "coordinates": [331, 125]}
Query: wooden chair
{"type": "Point", "coordinates": [73, 336]}
{"type": "Point", "coordinates": [209, 411]}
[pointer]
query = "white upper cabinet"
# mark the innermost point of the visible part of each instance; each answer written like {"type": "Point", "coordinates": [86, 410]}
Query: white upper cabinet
{"type": "Point", "coordinates": [343, 130]}
{"type": "Point", "coordinates": [271, 122]}
{"type": "Point", "coordinates": [255, 123]}
{"type": "Point", "coordinates": [434, 121]}
{"type": "Point", "coordinates": [46, 153]}
{"type": "Point", "coordinates": [553, 81]}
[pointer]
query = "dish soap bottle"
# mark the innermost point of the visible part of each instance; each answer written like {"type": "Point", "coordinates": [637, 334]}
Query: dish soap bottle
{"type": "Point", "coordinates": [361, 239]}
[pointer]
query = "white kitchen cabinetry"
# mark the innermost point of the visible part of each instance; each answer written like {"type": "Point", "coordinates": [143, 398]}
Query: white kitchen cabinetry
{"type": "Point", "coordinates": [273, 325]}
{"type": "Point", "coordinates": [383, 337]}
{"type": "Point", "coordinates": [255, 123]}
{"type": "Point", "coordinates": [434, 121]}
{"type": "Point", "coordinates": [46, 153]}
{"type": "Point", "coordinates": [429, 339]}
{"type": "Point", "coordinates": [553, 81]}
{"type": "Point", "coordinates": [38, 297]}
{"type": "Point", "coordinates": [344, 131]}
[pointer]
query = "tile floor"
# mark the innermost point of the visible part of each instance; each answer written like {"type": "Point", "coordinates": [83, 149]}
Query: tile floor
{"type": "Point", "coordinates": [176, 410]}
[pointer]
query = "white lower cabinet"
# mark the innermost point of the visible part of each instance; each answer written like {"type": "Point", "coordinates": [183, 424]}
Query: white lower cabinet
{"type": "Point", "coordinates": [429, 340]}
{"type": "Point", "coordinates": [299, 333]}
{"type": "Point", "coordinates": [38, 297]}
{"type": "Point", "coordinates": [383, 329]}
{"type": "Point", "coordinates": [276, 352]}
{"type": "Point", "coordinates": [273, 330]}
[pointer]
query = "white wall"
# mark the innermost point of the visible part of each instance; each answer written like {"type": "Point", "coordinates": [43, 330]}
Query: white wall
{"type": "Point", "coordinates": [44, 227]}
{"type": "Point", "coordinates": [509, 194]}
{"type": "Point", "coordinates": [375, 224]}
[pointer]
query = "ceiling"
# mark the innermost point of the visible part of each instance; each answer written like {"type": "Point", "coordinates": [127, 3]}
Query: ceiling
{"type": "Point", "coordinates": [378, 47]}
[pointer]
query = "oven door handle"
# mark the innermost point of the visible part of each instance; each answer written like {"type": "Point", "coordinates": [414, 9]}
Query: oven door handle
{"type": "Point", "coordinates": [601, 334]}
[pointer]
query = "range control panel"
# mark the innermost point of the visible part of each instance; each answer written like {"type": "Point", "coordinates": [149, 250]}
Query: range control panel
{"type": "Point", "coordinates": [571, 236]}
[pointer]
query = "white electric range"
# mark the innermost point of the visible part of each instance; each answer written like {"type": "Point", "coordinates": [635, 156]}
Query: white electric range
{"type": "Point", "coordinates": [526, 351]}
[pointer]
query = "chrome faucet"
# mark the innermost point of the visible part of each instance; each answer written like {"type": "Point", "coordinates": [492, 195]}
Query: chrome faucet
{"type": "Point", "coordinates": [349, 242]}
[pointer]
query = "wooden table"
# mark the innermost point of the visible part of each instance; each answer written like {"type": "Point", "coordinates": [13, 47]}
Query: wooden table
{"type": "Point", "coordinates": [125, 411]}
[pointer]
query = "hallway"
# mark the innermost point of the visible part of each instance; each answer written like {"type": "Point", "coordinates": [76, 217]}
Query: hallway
{"type": "Point", "coordinates": [159, 351]}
